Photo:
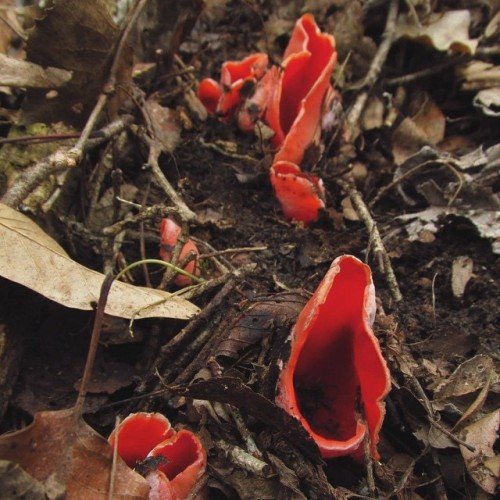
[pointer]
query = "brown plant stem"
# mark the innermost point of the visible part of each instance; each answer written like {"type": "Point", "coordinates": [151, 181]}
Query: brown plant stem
{"type": "Point", "coordinates": [94, 343]}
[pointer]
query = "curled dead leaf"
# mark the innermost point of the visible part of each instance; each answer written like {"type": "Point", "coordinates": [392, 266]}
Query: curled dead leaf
{"type": "Point", "coordinates": [443, 31]}
{"type": "Point", "coordinates": [258, 320]}
{"type": "Point", "coordinates": [469, 377]}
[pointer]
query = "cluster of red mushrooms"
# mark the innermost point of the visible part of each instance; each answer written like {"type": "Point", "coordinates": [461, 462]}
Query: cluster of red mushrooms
{"type": "Point", "coordinates": [334, 382]}
{"type": "Point", "coordinates": [335, 379]}
{"type": "Point", "coordinates": [291, 100]}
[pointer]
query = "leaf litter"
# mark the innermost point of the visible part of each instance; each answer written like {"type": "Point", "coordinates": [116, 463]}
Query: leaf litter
{"type": "Point", "coordinates": [425, 163]}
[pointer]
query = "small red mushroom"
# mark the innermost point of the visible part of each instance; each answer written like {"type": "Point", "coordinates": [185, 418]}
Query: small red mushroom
{"type": "Point", "coordinates": [138, 434]}
{"type": "Point", "coordinates": [336, 378]}
{"type": "Point", "coordinates": [169, 234]}
{"type": "Point", "coordinates": [295, 110]}
{"type": "Point", "coordinates": [237, 81]}
{"type": "Point", "coordinates": [301, 194]}
{"type": "Point", "coordinates": [144, 435]}
{"type": "Point", "coordinates": [185, 463]}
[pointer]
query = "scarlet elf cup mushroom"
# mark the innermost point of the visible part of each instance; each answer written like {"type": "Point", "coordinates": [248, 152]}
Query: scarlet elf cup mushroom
{"type": "Point", "coordinates": [146, 435]}
{"type": "Point", "coordinates": [335, 379]}
{"type": "Point", "coordinates": [169, 235]}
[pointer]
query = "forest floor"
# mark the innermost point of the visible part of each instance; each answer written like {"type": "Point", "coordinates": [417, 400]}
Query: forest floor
{"type": "Point", "coordinates": [440, 338]}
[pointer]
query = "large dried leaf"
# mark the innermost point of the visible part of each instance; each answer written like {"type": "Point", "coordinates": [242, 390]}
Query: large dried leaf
{"type": "Point", "coordinates": [60, 453]}
{"type": "Point", "coordinates": [79, 37]}
{"type": "Point", "coordinates": [32, 258]}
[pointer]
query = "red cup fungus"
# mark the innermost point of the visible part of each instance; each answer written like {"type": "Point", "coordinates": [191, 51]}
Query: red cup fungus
{"type": "Point", "coordinates": [237, 80]}
{"type": "Point", "coordinates": [145, 435]}
{"type": "Point", "coordinates": [301, 194]}
{"type": "Point", "coordinates": [169, 234]}
{"type": "Point", "coordinates": [209, 92]}
{"type": "Point", "coordinates": [185, 463]}
{"type": "Point", "coordinates": [336, 378]}
{"type": "Point", "coordinates": [138, 434]}
{"type": "Point", "coordinates": [295, 109]}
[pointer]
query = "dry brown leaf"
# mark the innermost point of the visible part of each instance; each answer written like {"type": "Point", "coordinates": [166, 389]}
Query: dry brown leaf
{"type": "Point", "coordinates": [75, 36]}
{"type": "Point", "coordinates": [164, 123]}
{"type": "Point", "coordinates": [84, 471]}
{"type": "Point", "coordinates": [258, 321]}
{"type": "Point", "coordinates": [477, 75]}
{"type": "Point", "coordinates": [30, 257]}
{"type": "Point", "coordinates": [493, 464]}
{"type": "Point", "coordinates": [15, 73]}
{"type": "Point", "coordinates": [427, 116]}
{"type": "Point", "coordinates": [476, 405]}
{"type": "Point", "coordinates": [482, 436]}
{"type": "Point", "coordinates": [488, 101]}
{"type": "Point", "coordinates": [469, 377]}
{"type": "Point", "coordinates": [373, 115]}
{"type": "Point", "coordinates": [432, 218]}
{"type": "Point", "coordinates": [443, 31]}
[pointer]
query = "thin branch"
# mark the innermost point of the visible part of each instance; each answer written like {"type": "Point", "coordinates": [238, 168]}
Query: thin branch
{"type": "Point", "coordinates": [57, 162]}
{"type": "Point", "coordinates": [378, 246]}
{"type": "Point", "coordinates": [184, 211]}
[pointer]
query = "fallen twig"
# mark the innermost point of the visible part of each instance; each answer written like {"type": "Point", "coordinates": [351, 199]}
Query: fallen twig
{"type": "Point", "coordinates": [234, 156]}
{"type": "Point", "coordinates": [244, 459]}
{"type": "Point", "coordinates": [153, 212]}
{"type": "Point", "coordinates": [184, 211]}
{"type": "Point", "coordinates": [378, 246]}
{"type": "Point", "coordinates": [59, 161]}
